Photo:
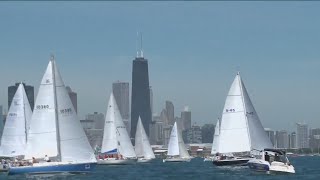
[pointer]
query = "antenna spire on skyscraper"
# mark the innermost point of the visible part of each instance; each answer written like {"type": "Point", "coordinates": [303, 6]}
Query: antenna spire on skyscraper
{"type": "Point", "coordinates": [139, 49]}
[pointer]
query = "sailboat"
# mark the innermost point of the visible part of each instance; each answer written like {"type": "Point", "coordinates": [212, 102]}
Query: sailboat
{"type": "Point", "coordinates": [116, 147]}
{"type": "Point", "coordinates": [142, 145]}
{"type": "Point", "coordinates": [177, 151]}
{"type": "Point", "coordinates": [56, 141]}
{"type": "Point", "coordinates": [240, 128]}
{"type": "Point", "coordinates": [215, 142]}
{"type": "Point", "coordinates": [14, 137]}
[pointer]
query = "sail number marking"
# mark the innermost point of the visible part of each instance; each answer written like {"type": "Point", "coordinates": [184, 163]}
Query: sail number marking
{"type": "Point", "coordinates": [66, 111]}
{"type": "Point", "coordinates": [42, 107]}
{"type": "Point", "coordinates": [230, 110]}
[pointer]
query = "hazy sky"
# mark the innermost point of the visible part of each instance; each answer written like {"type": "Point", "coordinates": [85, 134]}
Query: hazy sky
{"type": "Point", "coordinates": [194, 51]}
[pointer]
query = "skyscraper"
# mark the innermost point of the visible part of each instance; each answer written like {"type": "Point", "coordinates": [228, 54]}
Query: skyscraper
{"type": "Point", "coordinates": [302, 135]}
{"type": "Point", "coordinates": [29, 91]}
{"type": "Point", "coordinates": [170, 112]}
{"type": "Point", "coordinates": [121, 94]}
{"type": "Point", "coordinates": [140, 103]}
{"type": "Point", "coordinates": [73, 97]}
{"type": "Point", "coordinates": [1, 121]}
{"type": "Point", "coordinates": [282, 139]}
{"type": "Point", "coordinates": [151, 100]}
{"type": "Point", "coordinates": [186, 118]}
{"type": "Point", "coordinates": [271, 135]}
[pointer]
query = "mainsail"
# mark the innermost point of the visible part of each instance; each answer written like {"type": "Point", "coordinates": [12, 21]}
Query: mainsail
{"type": "Point", "coordinates": [14, 137]}
{"type": "Point", "coordinates": [55, 130]}
{"type": "Point", "coordinates": [240, 121]}
{"type": "Point", "coordinates": [142, 144]}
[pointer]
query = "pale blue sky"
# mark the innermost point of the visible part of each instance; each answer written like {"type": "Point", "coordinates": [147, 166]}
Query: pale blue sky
{"type": "Point", "coordinates": [194, 51]}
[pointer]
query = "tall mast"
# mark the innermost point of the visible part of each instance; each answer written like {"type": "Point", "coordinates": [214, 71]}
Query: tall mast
{"type": "Point", "coordinates": [24, 113]}
{"type": "Point", "coordinates": [56, 106]}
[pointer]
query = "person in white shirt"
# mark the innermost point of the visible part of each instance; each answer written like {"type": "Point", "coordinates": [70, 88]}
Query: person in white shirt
{"type": "Point", "coordinates": [46, 158]}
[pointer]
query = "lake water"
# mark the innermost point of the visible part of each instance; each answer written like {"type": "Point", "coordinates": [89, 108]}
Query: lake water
{"type": "Point", "coordinates": [306, 168]}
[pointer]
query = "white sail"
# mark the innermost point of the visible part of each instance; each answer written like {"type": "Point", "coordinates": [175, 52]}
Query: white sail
{"type": "Point", "coordinates": [182, 147]}
{"type": "Point", "coordinates": [239, 121]}
{"type": "Point", "coordinates": [42, 137]}
{"type": "Point", "coordinates": [142, 144]}
{"type": "Point", "coordinates": [109, 142]}
{"type": "Point", "coordinates": [173, 146]}
{"type": "Point", "coordinates": [124, 142]}
{"type": "Point", "coordinates": [215, 144]}
{"type": "Point", "coordinates": [14, 137]}
{"type": "Point", "coordinates": [55, 129]}
{"type": "Point", "coordinates": [74, 144]}
{"type": "Point", "coordinates": [259, 138]}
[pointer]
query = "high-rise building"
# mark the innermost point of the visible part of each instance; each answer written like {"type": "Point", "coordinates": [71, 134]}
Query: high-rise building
{"type": "Point", "coordinates": [193, 135]}
{"type": "Point", "coordinates": [170, 112]}
{"type": "Point", "coordinates": [314, 136]}
{"type": "Point", "coordinates": [98, 119]}
{"type": "Point", "coordinates": [156, 131]}
{"type": "Point", "coordinates": [121, 94]}
{"type": "Point", "coordinates": [151, 100]}
{"type": "Point", "coordinates": [140, 103]}
{"type": "Point", "coordinates": [1, 121]}
{"type": "Point", "coordinates": [207, 132]}
{"type": "Point", "coordinates": [186, 118]}
{"type": "Point", "coordinates": [293, 140]}
{"type": "Point", "coordinates": [271, 136]}
{"type": "Point", "coordinates": [29, 91]}
{"type": "Point", "coordinates": [302, 135]}
{"type": "Point", "coordinates": [282, 140]}
{"type": "Point", "coordinates": [73, 97]}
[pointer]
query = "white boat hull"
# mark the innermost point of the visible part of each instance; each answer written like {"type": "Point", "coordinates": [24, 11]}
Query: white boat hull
{"type": "Point", "coordinates": [116, 161]}
{"type": "Point", "coordinates": [144, 160]}
{"type": "Point", "coordinates": [274, 167]}
{"type": "Point", "coordinates": [177, 160]}
{"type": "Point", "coordinates": [4, 167]}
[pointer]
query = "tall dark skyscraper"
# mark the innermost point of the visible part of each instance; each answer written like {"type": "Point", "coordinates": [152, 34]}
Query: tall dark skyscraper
{"type": "Point", "coordinates": [140, 103]}
{"type": "Point", "coordinates": [29, 91]}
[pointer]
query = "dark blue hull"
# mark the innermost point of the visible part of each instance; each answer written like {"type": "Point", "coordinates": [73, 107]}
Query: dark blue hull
{"type": "Point", "coordinates": [52, 169]}
{"type": "Point", "coordinates": [258, 167]}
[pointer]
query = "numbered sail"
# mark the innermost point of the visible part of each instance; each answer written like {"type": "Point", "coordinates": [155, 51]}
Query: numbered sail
{"type": "Point", "coordinates": [74, 144]}
{"type": "Point", "coordinates": [173, 146]}
{"type": "Point", "coordinates": [259, 138]}
{"type": "Point", "coordinates": [240, 121]}
{"type": "Point", "coordinates": [14, 137]}
{"type": "Point", "coordinates": [142, 144]}
{"type": "Point", "coordinates": [215, 144]}
{"type": "Point", "coordinates": [109, 142]}
{"type": "Point", "coordinates": [42, 138]}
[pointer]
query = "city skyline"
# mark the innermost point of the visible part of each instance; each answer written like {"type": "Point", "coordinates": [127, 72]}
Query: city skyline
{"type": "Point", "coordinates": [195, 49]}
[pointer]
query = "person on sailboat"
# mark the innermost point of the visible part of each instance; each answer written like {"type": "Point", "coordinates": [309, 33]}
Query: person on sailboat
{"type": "Point", "coordinates": [266, 157]}
{"type": "Point", "coordinates": [46, 158]}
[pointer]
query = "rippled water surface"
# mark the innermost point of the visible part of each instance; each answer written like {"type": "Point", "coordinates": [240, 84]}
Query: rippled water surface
{"type": "Point", "coordinates": [306, 168]}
